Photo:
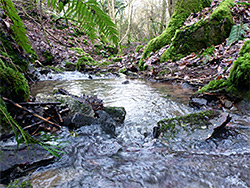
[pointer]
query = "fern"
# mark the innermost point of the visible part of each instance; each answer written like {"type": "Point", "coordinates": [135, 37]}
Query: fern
{"type": "Point", "coordinates": [237, 32]}
{"type": "Point", "coordinates": [17, 27]}
{"type": "Point", "coordinates": [90, 18]}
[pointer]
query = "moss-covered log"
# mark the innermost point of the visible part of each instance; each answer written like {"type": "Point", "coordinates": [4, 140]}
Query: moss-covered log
{"type": "Point", "coordinates": [202, 34]}
{"type": "Point", "coordinates": [181, 13]}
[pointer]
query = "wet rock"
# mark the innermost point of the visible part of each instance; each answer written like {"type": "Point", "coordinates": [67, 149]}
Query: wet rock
{"type": "Point", "coordinates": [78, 120]}
{"type": "Point", "coordinates": [198, 102]}
{"type": "Point", "coordinates": [117, 113]}
{"type": "Point", "coordinates": [14, 164]}
{"type": "Point", "coordinates": [228, 104]}
{"type": "Point", "coordinates": [68, 101]}
{"type": "Point", "coordinates": [244, 107]}
{"type": "Point", "coordinates": [106, 121]}
{"type": "Point", "coordinates": [125, 82]}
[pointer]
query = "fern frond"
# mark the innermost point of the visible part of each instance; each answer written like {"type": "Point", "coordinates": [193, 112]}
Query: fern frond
{"type": "Point", "coordinates": [90, 18]}
{"type": "Point", "coordinates": [17, 27]}
{"type": "Point", "coordinates": [236, 33]}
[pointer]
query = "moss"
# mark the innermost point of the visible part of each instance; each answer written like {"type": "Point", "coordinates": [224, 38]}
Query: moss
{"type": "Point", "coordinates": [171, 126]}
{"type": "Point", "coordinates": [209, 51]}
{"type": "Point", "coordinates": [117, 59]}
{"type": "Point", "coordinates": [83, 61]}
{"type": "Point", "coordinates": [13, 52]}
{"type": "Point", "coordinates": [202, 34]}
{"type": "Point", "coordinates": [238, 83]}
{"type": "Point", "coordinates": [71, 43]}
{"type": "Point", "coordinates": [240, 73]}
{"type": "Point", "coordinates": [54, 69]}
{"type": "Point", "coordinates": [181, 13]}
{"type": "Point", "coordinates": [84, 41]}
{"type": "Point", "coordinates": [104, 63]}
{"type": "Point", "coordinates": [13, 84]}
{"type": "Point", "coordinates": [245, 48]}
{"type": "Point", "coordinates": [123, 70]}
{"type": "Point", "coordinates": [80, 51]}
{"type": "Point", "coordinates": [48, 58]}
{"type": "Point", "coordinates": [138, 48]}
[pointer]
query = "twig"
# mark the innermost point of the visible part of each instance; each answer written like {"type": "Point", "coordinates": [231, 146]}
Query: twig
{"type": "Point", "coordinates": [34, 114]}
{"type": "Point", "coordinates": [40, 103]}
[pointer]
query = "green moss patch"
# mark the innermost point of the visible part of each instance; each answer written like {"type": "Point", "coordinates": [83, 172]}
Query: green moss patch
{"type": "Point", "coordinates": [238, 83]}
{"type": "Point", "coordinates": [181, 13]}
{"type": "Point", "coordinates": [172, 126]}
{"type": "Point", "coordinates": [83, 61]}
{"type": "Point", "coordinates": [13, 84]}
{"type": "Point", "coordinates": [202, 34]}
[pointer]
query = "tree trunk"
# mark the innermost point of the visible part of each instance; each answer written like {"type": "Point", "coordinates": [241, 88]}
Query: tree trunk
{"type": "Point", "coordinates": [180, 14]}
{"type": "Point", "coordinates": [163, 15]}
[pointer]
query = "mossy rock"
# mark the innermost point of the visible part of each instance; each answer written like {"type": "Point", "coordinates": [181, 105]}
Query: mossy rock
{"type": "Point", "coordinates": [13, 84]}
{"type": "Point", "coordinates": [170, 127]}
{"type": "Point", "coordinates": [83, 61]}
{"type": "Point", "coordinates": [202, 34]}
{"type": "Point", "coordinates": [181, 13]}
{"type": "Point", "coordinates": [117, 113]}
{"type": "Point", "coordinates": [240, 73]}
{"type": "Point", "coordinates": [12, 52]}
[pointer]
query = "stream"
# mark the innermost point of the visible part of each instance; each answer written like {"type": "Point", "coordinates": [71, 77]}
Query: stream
{"type": "Point", "coordinates": [133, 158]}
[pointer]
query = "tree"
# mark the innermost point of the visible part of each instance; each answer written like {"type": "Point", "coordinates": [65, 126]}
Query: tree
{"type": "Point", "coordinates": [163, 15]}
{"type": "Point", "coordinates": [181, 13]}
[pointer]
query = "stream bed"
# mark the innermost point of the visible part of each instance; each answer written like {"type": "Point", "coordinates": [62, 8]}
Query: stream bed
{"type": "Point", "coordinates": [133, 158]}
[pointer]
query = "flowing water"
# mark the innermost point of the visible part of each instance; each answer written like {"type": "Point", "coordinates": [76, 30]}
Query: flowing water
{"type": "Point", "coordinates": [133, 158]}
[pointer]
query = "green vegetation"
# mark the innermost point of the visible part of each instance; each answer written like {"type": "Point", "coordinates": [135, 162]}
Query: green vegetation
{"type": "Point", "coordinates": [13, 84]}
{"type": "Point", "coordinates": [17, 184]}
{"type": "Point", "coordinates": [208, 52]}
{"type": "Point", "coordinates": [89, 17]}
{"type": "Point", "coordinates": [117, 59]}
{"type": "Point", "coordinates": [181, 13]}
{"type": "Point", "coordinates": [237, 32]}
{"type": "Point", "coordinates": [83, 61]}
{"type": "Point", "coordinates": [202, 34]}
{"type": "Point", "coordinates": [123, 70]}
{"type": "Point", "coordinates": [54, 68]}
{"type": "Point", "coordinates": [104, 63]}
{"type": "Point", "coordinates": [138, 48]}
{"type": "Point", "coordinates": [9, 51]}
{"type": "Point", "coordinates": [17, 27]}
{"type": "Point", "coordinates": [48, 58]}
{"type": "Point", "coordinates": [238, 83]}
{"type": "Point", "coordinates": [171, 126]}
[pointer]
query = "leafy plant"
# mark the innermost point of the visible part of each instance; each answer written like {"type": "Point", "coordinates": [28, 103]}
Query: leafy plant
{"type": "Point", "coordinates": [237, 32]}
{"type": "Point", "coordinates": [89, 17]}
{"type": "Point", "coordinates": [15, 184]}
{"type": "Point", "coordinates": [244, 3]}
{"type": "Point", "coordinates": [17, 27]}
